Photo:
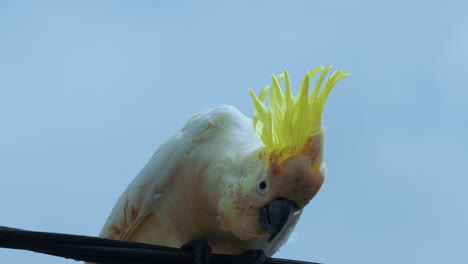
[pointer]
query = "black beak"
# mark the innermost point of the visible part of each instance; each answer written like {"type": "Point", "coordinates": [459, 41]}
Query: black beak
{"type": "Point", "coordinates": [274, 215]}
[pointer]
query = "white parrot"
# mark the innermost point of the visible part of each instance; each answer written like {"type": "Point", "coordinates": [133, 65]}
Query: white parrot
{"type": "Point", "coordinates": [238, 184]}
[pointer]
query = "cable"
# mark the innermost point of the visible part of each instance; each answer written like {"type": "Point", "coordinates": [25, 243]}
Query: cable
{"type": "Point", "coordinates": [109, 251]}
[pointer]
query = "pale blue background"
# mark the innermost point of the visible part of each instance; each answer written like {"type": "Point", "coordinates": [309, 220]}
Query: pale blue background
{"type": "Point", "coordinates": [89, 89]}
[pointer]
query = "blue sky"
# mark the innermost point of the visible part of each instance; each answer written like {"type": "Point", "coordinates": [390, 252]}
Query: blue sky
{"type": "Point", "coordinates": [90, 89]}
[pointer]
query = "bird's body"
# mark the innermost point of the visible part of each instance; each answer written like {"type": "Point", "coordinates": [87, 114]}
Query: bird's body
{"type": "Point", "coordinates": [174, 198]}
{"type": "Point", "coordinates": [237, 183]}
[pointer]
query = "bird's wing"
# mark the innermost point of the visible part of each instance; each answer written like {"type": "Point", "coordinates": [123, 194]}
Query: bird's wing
{"type": "Point", "coordinates": [169, 162]}
{"type": "Point", "coordinates": [142, 195]}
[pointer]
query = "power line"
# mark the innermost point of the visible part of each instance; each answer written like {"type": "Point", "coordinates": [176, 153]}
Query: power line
{"type": "Point", "coordinates": [109, 251]}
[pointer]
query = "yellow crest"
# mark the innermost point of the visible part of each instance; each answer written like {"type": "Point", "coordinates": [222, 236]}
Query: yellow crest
{"type": "Point", "coordinates": [289, 121]}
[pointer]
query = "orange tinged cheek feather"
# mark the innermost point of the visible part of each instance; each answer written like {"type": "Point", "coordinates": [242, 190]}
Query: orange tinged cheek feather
{"type": "Point", "coordinates": [240, 217]}
{"type": "Point", "coordinates": [298, 177]}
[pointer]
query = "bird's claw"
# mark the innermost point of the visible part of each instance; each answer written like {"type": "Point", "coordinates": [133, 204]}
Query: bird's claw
{"type": "Point", "coordinates": [201, 250]}
{"type": "Point", "coordinates": [256, 256]}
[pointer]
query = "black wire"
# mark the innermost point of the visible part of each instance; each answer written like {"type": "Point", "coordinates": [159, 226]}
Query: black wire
{"type": "Point", "coordinates": [108, 251]}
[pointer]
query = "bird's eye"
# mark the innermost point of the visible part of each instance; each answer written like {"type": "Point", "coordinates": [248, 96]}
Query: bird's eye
{"type": "Point", "coordinates": [262, 187]}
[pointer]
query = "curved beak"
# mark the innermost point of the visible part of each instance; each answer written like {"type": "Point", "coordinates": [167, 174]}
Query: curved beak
{"type": "Point", "coordinates": [274, 215]}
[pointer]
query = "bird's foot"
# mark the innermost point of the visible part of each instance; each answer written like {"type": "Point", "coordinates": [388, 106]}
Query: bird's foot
{"type": "Point", "coordinates": [201, 250]}
{"type": "Point", "coordinates": [256, 256]}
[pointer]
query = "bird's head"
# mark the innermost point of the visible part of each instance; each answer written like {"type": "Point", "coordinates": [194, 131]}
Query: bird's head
{"type": "Point", "coordinates": [287, 172]}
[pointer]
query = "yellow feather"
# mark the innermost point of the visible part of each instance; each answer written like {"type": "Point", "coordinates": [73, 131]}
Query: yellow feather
{"type": "Point", "coordinates": [287, 122]}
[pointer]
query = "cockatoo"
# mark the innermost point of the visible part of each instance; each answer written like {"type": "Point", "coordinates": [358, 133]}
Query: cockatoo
{"type": "Point", "coordinates": [238, 183]}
